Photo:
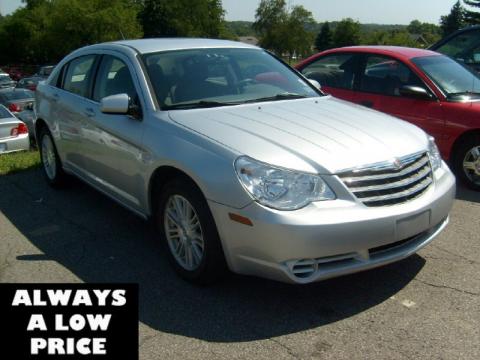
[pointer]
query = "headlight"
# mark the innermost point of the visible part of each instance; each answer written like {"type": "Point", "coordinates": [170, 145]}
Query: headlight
{"type": "Point", "coordinates": [279, 188]}
{"type": "Point", "coordinates": [435, 156]}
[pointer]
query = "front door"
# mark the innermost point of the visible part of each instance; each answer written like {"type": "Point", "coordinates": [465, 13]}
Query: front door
{"type": "Point", "coordinates": [114, 152]}
{"type": "Point", "coordinates": [379, 88]}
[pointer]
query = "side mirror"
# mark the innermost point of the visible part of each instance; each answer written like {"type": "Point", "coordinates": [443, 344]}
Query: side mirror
{"type": "Point", "coordinates": [115, 104]}
{"type": "Point", "coordinates": [416, 92]}
{"type": "Point", "coordinates": [315, 83]}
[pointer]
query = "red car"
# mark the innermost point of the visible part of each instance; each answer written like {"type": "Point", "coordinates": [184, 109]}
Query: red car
{"type": "Point", "coordinates": [423, 87]}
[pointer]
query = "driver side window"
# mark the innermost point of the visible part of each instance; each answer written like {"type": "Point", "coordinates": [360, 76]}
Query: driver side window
{"type": "Point", "coordinates": [113, 78]}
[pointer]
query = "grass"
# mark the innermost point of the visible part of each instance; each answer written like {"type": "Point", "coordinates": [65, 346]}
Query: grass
{"type": "Point", "coordinates": [19, 161]}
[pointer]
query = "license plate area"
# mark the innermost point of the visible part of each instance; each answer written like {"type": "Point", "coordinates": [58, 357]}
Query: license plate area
{"type": "Point", "coordinates": [413, 225]}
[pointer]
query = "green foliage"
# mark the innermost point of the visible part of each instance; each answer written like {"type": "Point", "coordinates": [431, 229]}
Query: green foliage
{"type": "Point", "coordinates": [453, 21]}
{"type": "Point", "coordinates": [324, 39]}
{"type": "Point", "coordinates": [347, 33]}
{"type": "Point", "coordinates": [46, 30]}
{"type": "Point", "coordinates": [472, 17]}
{"type": "Point", "coordinates": [282, 30]}
{"type": "Point", "coordinates": [240, 28]}
{"type": "Point", "coordinates": [201, 18]}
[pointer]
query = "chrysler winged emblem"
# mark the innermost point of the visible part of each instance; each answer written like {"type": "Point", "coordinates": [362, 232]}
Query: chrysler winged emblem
{"type": "Point", "coordinates": [397, 164]}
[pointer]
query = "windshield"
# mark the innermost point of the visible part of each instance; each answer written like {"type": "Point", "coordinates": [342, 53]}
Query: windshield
{"type": "Point", "coordinates": [453, 78]}
{"type": "Point", "coordinates": [220, 77]}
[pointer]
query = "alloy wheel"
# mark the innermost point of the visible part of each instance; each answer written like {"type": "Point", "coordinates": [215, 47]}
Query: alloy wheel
{"type": "Point", "coordinates": [48, 157]}
{"type": "Point", "coordinates": [184, 232]}
{"type": "Point", "coordinates": [471, 165]}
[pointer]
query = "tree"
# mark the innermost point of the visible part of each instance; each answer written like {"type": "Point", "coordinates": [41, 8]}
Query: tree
{"type": "Point", "coordinates": [324, 39]}
{"type": "Point", "coordinates": [453, 21]}
{"type": "Point", "coordinates": [472, 17]}
{"type": "Point", "coordinates": [299, 40]}
{"type": "Point", "coordinates": [270, 18]}
{"type": "Point", "coordinates": [48, 30]}
{"type": "Point", "coordinates": [165, 18]}
{"type": "Point", "coordinates": [284, 31]}
{"type": "Point", "coordinates": [347, 33]}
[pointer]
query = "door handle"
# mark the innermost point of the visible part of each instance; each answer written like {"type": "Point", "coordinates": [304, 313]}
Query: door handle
{"type": "Point", "coordinates": [367, 103]}
{"type": "Point", "coordinates": [56, 97]}
{"type": "Point", "coordinates": [89, 112]}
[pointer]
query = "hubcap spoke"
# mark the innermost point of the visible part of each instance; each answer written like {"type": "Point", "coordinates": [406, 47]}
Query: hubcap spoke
{"type": "Point", "coordinates": [469, 165]}
{"type": "Point", "coordinates": [184, 232]}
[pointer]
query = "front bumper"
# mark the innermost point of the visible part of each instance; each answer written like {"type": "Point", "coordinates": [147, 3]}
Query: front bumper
{"type": "Point", "coordinates": [331, 238]}
{"type": "Point", "coordinates": [17, 143]}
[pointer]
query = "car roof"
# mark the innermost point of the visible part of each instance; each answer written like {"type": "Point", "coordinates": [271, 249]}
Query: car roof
{"type": "Point", "coordinates": [404, 52]}
{"type": "Point", "coordinates": [145, 46]}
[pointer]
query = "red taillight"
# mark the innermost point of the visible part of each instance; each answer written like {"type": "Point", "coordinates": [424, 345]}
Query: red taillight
{"type": "Point", "coordinates": [20, 129]}
{"type": "Point", "coordinates": [14, 108]}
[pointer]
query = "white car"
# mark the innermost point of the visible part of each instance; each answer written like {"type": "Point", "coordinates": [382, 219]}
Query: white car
{"type": "Point", "coordinates": [13, 132]}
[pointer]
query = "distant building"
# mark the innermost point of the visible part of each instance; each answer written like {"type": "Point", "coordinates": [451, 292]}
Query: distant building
{"type": "Point", "coordinates": [251, 40]}
{"type": "Point", "coordinates": [420, 40]}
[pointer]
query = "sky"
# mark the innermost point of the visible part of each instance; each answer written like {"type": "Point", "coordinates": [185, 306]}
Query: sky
{"type": "Point", "coordinates": [365, 11]}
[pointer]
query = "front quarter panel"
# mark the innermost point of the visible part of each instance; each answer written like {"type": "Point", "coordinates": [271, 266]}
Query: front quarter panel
{"type": "Point", "coordinates": [207, 163]}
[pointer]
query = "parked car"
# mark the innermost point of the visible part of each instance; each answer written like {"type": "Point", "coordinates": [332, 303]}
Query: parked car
{"type": "Point", "coordinates": [29, 83]}
{"type": "Point", "coordinates": [425, 88]}
{"type": "Point", "coordinates": [45, 71]}
{"type": "Point", "coordinates": [29, 118]}
{"type": "Point", "coordinates": [463, 45]}
{"type": "Point", "coordinates": [15, 73]}
{"type": "Point", "coordinates": [13, 132]}
{"type": "Point", "coordinates": [240, 161]}
{"type": "Point", "coordinates": [6, 81]}
{"type": "Point", "coordinates": [17, 100]}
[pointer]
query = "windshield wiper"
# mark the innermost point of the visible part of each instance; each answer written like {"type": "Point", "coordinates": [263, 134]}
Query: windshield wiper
{"type": "Point", "coordinates": [282, 96]}
{"type": "Point", "coordinates": [198, 105]}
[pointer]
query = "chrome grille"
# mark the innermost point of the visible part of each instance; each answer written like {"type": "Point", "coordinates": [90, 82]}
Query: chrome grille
{"type": "Point", "coordinates": [387, 184]}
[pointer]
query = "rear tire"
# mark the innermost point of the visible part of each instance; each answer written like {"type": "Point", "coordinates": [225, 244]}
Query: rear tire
{"type": "Point", "coordinates": [188, 232]}
{"type": "Point", "coordinates": [466, 161]}
{"type": "Point", "coordinates": [51, 164]}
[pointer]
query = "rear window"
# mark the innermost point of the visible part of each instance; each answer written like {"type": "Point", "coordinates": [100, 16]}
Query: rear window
{"type": "Point", "coordinates": [4, 78]}
{"type": "Point", "coordinates": [18, 95]}
{"type": "Point", "coordinates": [4, 113]}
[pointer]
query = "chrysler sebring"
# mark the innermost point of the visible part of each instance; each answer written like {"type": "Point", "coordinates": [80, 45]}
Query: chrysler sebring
{"type": "Point", "coordinates": [240, 161]}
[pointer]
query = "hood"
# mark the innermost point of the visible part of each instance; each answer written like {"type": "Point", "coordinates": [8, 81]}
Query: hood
{"type": "Point", "coordinates": [319, 135]}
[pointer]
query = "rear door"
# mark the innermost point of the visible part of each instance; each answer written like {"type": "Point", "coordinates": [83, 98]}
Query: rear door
{"type": "Point", "coordinates": [336, 73]}
{"type": "Point", "coordinates": [68, 109]}
{"type": "Point", "coordinates": [379, 88]}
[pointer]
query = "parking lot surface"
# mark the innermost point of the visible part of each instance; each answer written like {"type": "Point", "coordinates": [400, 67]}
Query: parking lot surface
{"type": "Point", "coordinates": [427, 306]}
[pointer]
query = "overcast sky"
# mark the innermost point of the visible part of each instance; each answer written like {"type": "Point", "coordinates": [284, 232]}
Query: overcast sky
{"type": "Point", "coordinates": [366, 11]}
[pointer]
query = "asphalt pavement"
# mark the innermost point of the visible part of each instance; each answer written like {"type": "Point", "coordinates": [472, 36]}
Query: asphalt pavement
{"type": "Point", "coordinates": [427, 306]}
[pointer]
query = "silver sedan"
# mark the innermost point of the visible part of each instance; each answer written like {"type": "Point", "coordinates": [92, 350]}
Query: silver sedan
{"type": "Point", "coordinates": [241, 162]}
{"type": "Point", "coordinates": [13, 132]}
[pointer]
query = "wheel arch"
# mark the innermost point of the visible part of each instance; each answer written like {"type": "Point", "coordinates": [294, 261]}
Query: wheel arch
{"type": "Point", "coordinates": [160, 177]}
{"type": "Point", "coordinates": [458, 141]}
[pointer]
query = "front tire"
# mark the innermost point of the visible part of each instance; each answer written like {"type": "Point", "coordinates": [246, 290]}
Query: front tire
{"type": "Point", "coordinates": [188, 231]}
{"type": "Point", "coordinates": [466, 161]}
{"type": "Point", "coordinates": [52, 167]}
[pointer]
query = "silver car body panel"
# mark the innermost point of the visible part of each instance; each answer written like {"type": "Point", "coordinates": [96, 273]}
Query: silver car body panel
{"type": "Point", "coordinates": [119, 154]}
